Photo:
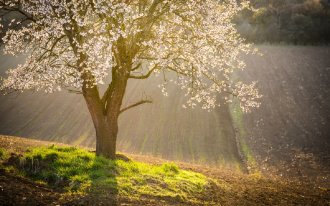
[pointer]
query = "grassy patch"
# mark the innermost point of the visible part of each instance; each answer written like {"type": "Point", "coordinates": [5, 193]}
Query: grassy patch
{"type": "Point", "coordinates": [3, 154]}
{"type": "Point", "coordinates": [79, 171]}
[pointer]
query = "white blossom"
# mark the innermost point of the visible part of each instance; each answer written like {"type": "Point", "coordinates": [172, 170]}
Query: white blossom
{"type": "Point", "coordinates": [77, 42]}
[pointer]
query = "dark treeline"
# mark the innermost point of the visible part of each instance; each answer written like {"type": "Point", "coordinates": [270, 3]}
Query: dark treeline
{"type": "Point", "coordinates": [286, 21]}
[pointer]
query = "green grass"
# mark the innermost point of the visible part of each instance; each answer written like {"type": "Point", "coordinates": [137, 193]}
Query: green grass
{"type": "Point", "coordinates": [3, 154]}
{"type": "Point", "coordinates": [80, 171]}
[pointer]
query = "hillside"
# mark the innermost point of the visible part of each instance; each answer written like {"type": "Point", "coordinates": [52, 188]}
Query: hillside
{"type": "Point", "coordinates": [288, 135]}
{"type": "Point", "coordinates": [230, 187]}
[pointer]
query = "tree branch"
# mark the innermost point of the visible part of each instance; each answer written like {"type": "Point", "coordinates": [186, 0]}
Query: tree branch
{"type": "Point", "coordinates": [106, 93]}
{"type": "Point", "coordinates": [51, 48]}
{"type": "Point", "coordinates": [135, 105]}
{"type": "Point", "coordinates": [136, 67]}
{"type": "Point", "coordinates": [144, 76]}
{"type": "Point", "coordinates": [74, 91]}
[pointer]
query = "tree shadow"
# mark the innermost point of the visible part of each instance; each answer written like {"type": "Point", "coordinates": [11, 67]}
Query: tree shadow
{"type": "Point", "coordinates": [82, 179]}
{"type": "Point", "coordinates": [103, 189]}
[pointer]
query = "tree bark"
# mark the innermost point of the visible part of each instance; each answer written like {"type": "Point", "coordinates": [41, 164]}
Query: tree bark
{"type": "Point", "coordinates": [106, 138]}
{"type": "Point", "coordinates": [105, 114]}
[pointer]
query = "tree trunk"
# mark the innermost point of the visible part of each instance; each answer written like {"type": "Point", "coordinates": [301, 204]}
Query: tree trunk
{"type": "Point", "coordinates": [106, 138]}
{"type": "Point", "coordinates": [105, 115]}
{"type": "Point", "coordinates": [106, 126]}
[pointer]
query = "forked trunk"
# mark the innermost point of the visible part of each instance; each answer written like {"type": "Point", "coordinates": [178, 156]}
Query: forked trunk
{"type": "Point", "coordinates": [105, 115]}
{"type": "Point", "coordinates": [106, 126]}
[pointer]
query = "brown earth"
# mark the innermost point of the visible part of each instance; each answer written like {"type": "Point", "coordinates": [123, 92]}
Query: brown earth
{"type": "Point", "coordinates": [241, 189]}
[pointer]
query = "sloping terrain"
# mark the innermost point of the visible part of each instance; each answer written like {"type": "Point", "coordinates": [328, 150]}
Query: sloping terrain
{"type": "Point", "coordinates": [289, 133]}
{"type": "Point", "coordinates": [232, 188]}
{"type": "Point", "coordinates": [291, 128]}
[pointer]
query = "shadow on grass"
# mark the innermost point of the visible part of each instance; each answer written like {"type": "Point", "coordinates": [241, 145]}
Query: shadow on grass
{"type": "Point", "coordinates": [86, 179]}
{"type": "Point", "coordinates": [103, 189]}
{"type": "Point", "coordinates": [82, 177]}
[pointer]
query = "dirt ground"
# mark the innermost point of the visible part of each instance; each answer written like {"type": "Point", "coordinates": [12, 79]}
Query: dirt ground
{"type": "Point", "coordinates": [20, 191]}
{"type": "Point", "coordinates": [235, 188]}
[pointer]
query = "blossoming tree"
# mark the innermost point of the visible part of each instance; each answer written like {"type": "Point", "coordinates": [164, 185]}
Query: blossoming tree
{"type": "Point", "coordinates": [76, 44]}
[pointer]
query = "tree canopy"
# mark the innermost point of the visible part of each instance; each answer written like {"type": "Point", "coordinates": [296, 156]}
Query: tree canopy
{"type": "Point", "coordinates": [78, 43]}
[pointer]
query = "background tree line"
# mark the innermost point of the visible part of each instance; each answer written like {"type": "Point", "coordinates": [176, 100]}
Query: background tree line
{"type": "Point", "coordinates": [286, 21]}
